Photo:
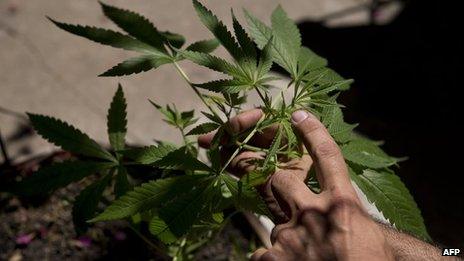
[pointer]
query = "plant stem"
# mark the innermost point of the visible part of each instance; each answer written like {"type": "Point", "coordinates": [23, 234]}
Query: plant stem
{"type": "Point", "coordinates": [195, 89]}
{"type": "Point", "coordinates": [248, 138]}
{"type": "Point", "coordinates": [186, 141]}
{"type": "Point", "coordinates": [262, 97]}
{"type": "Point", "coordinates": [253, 148]}
{"type": "Point", "coordinates": [296, 87]}
{"type": "Point", "coordinates": [4, 152]}
{"type": "Point", "coordinates": [158, 249]}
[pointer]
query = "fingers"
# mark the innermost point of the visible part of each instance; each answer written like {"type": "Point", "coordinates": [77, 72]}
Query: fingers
{"type": "Point", "coordinates": [245, 120]}
{"type": "Point", "coordinates": [292, 193]}
{"type": "Point", "coordinates": [204, 140]}
{"type": "Point", "coordinates": [237, 124]}
{"type": "Point", "coordinates": [300, 167]}
{"type": "Point", "coordinates": [244, 162]}
{"type": "Point", "coordinates": [328, 159]}
{"type": "Point", "coordinates": [263, 254]}
{"type": "Point", "coordinates": [315, 223]}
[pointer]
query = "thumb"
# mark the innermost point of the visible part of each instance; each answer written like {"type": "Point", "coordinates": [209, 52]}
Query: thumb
{"type": "Point", "coordinates": [329, 162]}
{"type": "Point", "coordinates": [310, 129]}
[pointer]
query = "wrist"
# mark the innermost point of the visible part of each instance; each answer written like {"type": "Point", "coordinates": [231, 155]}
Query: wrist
{"type": "Point", "coordinates": [407, 247]}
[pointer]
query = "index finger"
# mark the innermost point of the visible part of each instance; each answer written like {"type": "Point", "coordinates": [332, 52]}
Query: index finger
{"type": "Point", "coordinates": [331, 168]}
{"type": "Point", "coordinates": [241, 122]}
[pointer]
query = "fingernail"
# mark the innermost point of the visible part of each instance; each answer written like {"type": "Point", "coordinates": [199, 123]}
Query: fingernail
{"type": "Point", "coordinates": [299, 116]}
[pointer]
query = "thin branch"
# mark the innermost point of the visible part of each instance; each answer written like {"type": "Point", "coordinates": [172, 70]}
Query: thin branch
{"type": "Point", "coordinates": [7, 161]}
{"type": "Point", "coordinates": [158, 249]}
{"type": "Point", "coordinates": [195, 89]}
{"type": "Point", "coordinates": [247, 139]}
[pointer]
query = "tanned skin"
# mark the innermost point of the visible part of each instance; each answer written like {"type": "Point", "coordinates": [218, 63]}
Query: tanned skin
{"type": "Point", "coordinates": [330, 225]}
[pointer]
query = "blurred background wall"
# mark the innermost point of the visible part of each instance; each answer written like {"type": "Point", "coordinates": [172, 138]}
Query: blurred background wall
{"type": "Point", "coordinates": [402, 55]}
{"type": "Point", "coordinates": [48, 71]}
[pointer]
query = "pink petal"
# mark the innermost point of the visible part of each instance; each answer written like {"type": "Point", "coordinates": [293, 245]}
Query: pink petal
{"type": "Point", "coordinates": [24, 239]}
{"type": "Point", "coordinates": [85, 241]}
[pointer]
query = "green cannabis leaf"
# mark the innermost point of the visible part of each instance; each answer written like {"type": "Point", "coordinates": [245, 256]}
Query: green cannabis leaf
{"type": "Point", "coordinates": [122, 184]}
{"type": "Point", "coordinates": [67, 137]}
{"type": "Point", "coordinates": [245, 196]}
{"type": "Point", "coordinates": [218, 29]}
{"type": "Point", "coordinates": [109, 37]}
{"type": "Point", "coordinates": [392, 198]}
{"type": "Point", "coordinates": [58, 175]}
{"type": "Point", "coordinates": [149, 155]}
{"type": "Point", "coordinates": [86, 203]}
{"type": "Point", "coordinates": [117, 122]}
{"type": "Point", "coordinates": [136, 65]}
{"type": "Point", "coordinates": [368, 154]}
{"type": "Point", "coordinates": [144, 30]}
{"type": "Point", "coordinates": [147, 196]}
{"type": "Point", "coordinates": [181, 213]}
{"type": "Point", "coordinates": [158, 47]}
{"type": "Point", "coordinates": [284, 36]}
{"type": "Point", "coordinates": [204, 128]}
{"type": "Point", "coordinates": [181, 159]}
{"type": "Point", "coordinates": [183, 196]}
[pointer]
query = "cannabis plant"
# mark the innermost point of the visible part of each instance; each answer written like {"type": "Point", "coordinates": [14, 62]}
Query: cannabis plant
{"type": "Point", "coordinates": [184, 199]}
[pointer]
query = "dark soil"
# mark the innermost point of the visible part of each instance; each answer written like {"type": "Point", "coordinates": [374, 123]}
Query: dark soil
{"type": "Point", "coordinates": [41, 228]}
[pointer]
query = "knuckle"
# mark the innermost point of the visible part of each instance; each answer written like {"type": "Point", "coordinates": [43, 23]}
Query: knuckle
{"type": "Point", "coordinates": [327, 149]}
{"type": "Point", "coordinates": [235, 124]}
{"type": "Point", "coordinates": [284, 180]}
{"type": "Point", "coordinates": [344, 203]}
{"type": "Point", "coordinates": [310, 214]}
{"type": "Point", "coordinates": [276, 230]}
{"type": "Point", "coordinates": [268, 256]}
{"type": "Point", "coordinates": [285, 235]}
{"type": "Point", "coordinates": [281, 178]}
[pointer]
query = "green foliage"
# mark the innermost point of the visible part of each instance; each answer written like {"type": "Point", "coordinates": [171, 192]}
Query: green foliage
{"type": "Point", "coordinates": [284, 36]}
{"type": "Point", "coordinates": [73, 140]}
{"type": "Point", "coordinates": [204, 46]}
{"type": "Point", "coordinates": [333, 119]}
{"type": "Point", "coordinates": [67, 137]}
{"type": "Point", "coordinates": [142, 36]}
{"type": "Point", "coordinates": [218, 29]}
{"type": "Point", "coordinates": [136, 65]}
{"type": "Point", "coordinates": [175, 118]}
{"type": "Point", "coordinates": [117, 123]}
{"type": "Point", "coordinates": [183, 197]}
{"type": "Point", "coordinates": [367, 153]}
{"type": "Point", "coordinates": [121, 183]}
{"type": "Point", "coordinates": [245, 196]}
{"type": "Point", "coordinates": [181, 159]}
{"type": "Point", "coordinates": [393, 199]}
{"type": "Point", "coordinates": [58, 175]}
{"type": "Point", "coordinates": [147, 196]}
{"type": "Point", "coordinates": [86, 203]}
{"type": "Point", "coordinates": [182, 212]}
{"type": "Point", "coordinates": [109, 37]}
{"type": "Point", "coordinates": [144, 30]}
{"type": "Point", "coordinates": [204, 128]}
{"type": "Point", "coordinates": [149, 155]}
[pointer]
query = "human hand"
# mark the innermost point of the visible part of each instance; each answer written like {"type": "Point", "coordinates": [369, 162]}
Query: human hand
{"type": "Point", "coordinates": [244, 162]}
{"type": "Point", "coordinates": [328, 225]}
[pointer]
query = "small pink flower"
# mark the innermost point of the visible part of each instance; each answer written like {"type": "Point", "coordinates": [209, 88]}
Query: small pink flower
{"type": "Point", "coordinates": [85, 241]}
{"type": "Point", "coordinates": [24, 239]}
